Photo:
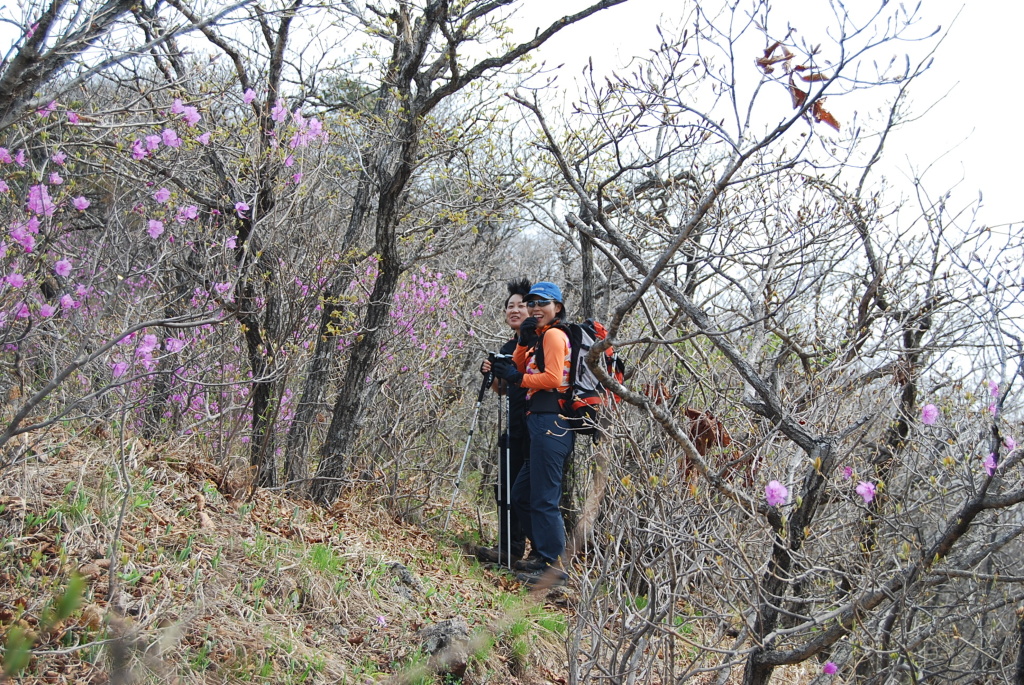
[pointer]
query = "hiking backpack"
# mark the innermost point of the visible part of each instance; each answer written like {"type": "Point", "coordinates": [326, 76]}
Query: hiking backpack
{"type": "Point", "coordinates": [581, 407]}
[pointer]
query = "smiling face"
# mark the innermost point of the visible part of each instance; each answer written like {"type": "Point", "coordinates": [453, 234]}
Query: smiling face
{"type": "Point", "coordinates": [544, 311]}
{"type": "Point", "coordinates": [515, 312]}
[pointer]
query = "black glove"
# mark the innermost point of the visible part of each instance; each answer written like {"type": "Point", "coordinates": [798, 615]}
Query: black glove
{"type": "Point", "coordinates": [528, 332]}
{"type": "Point", "coordinates": [503, 368]}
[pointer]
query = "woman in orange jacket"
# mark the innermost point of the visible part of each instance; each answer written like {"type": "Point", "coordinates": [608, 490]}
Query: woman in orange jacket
{"type": "Point", "coordinates": [541, 365]}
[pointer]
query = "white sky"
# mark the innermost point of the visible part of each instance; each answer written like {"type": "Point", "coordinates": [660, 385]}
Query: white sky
{"type": "Point", "coordinates": [971, 138]}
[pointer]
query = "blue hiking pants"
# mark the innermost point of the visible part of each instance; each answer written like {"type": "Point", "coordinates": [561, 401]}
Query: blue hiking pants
{"type": "Point", "coordinates": [538, 488]}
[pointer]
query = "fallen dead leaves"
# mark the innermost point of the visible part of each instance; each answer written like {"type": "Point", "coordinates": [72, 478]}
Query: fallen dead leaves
{"type": "Point", "coordinates": [215, 580]}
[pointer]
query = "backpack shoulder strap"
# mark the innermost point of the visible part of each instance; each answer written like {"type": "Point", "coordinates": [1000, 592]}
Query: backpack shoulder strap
{"type": "Point", "coordinates": [538, 353]}
{"type": "Point", "coordinates": [574, 332]}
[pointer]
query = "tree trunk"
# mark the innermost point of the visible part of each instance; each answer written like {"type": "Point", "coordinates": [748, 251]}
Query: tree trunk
{"type": "Point", "coordinates": [353, 397]}
{"type": "Point", "coordinates": [296, 462]}
{"type": "Point", "coordinates": [296, 459]}
{"type": "Point", "coordinates": [258, 340]}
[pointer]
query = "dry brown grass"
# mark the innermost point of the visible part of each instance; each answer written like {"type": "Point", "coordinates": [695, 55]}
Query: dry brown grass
{"type": "Point", "coordinates": [216, 584]}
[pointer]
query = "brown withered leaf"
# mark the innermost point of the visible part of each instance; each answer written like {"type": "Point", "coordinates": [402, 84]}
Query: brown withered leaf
{"type": "Point", "coordinates": [205, 522]}
{"type": "Point", "coordinates": [799, 96]}
{"type": "Point", "coordinates": [810, 78]}
{"type": "Point", "coordinates": [822, 116]}
{"type": "Point", "coordinates": [770, 58]}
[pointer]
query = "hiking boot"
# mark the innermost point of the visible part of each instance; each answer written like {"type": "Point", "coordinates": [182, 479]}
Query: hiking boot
{"type": "Point", "coordinates": [492, 555]}
{"type": "Point", "coordinates": [549, 576]}
{"type": "Point", "coordinates": [530, 564]}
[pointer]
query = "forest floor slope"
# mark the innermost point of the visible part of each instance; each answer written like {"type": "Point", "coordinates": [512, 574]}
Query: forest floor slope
{"type": "Point", "coordinates": [215, 583]}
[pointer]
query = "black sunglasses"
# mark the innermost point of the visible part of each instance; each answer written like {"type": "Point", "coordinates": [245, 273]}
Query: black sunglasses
{"type": "Point", "coordinates": [538, 303]}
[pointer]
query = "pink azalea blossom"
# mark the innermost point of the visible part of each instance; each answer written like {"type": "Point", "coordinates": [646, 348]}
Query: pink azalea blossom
{"type": "Point", "coordinates": [149, 343]}
{"type": "Point", "coordinates": [177, 107]}
{"type": "Point", "coordinates": [174, 345]}
{"type": "Point", "coordinates": [39, 201]}
{"type": "Point", "coordinates": [81, 203]}
{"type": "Point", "coordinates": [990, 464]}
{"type": "Point", "coordinates": [929, 413]}
{"type": "Point", "coordinates": [155, 229]}
{"type": "Point", "coordinates": [775, 493]}
{"type": "Point", "coordinates": [460, 274]}
{"type": "Point", "coordinates": [241, 208]}
{"type": "Point", "coordinates": [5, 156]}
{"type": "Point", "coordinates": [23, 311]}
{"type": "Point", "coordinates": [3, 186]}
{"type": "Point", "coordinates": [55, 179]}
{"type": "Point", "coordinates": [59, 158]}
{"type": "Point", "coordinates": [296, 178]}
{"type": "Point", "coordinates": [119, 369]}
{"type": "Point", "coordinates": [15, 280]}
{"type": "Point", "coordinates": [67, 302]}
{"type": "Point", "coordinates": [231, 242]}
{"type": "Point", "coordinates": [19, 158]}
{"type": "Point", "coordinates": [139, 150]}
{"type": "Point", "coordinates": [289, 160]}
{"type": "Point", "coordinates": [192, 116]}
{"type": "Point", "coordinates": [21, 235]}
{"type": "Point", "coordinates": [204, 138]}
{"type": "Point", "coordinates": [31, 30]}
{"type": "Point", "coordinates": [993, 388]}
{"type": "Point", "coordinates": [33, 225]}
{"type": "Point", "coordinates": [316, 129]}
{"type": "Point", "coordinates": [48, 110]}
{"type": "Point", "coordinates": [153, 142]}
{"type": "Point", "coordinates": [279, 112]}
{"type": "Point", "coordinates": [866, 490]}
{"type": "Point", "coordinates": [73, 118]}
{"type": "Point", "coordinates": [1009, 443]}
{"type": "Point", "coordinates": [847, 472]}
{"type": "Point", "coordinates": [170, 137]}
{"type": "Point", "coordinates": [186, 213]}
{"type": "Point", "coordinates": [47, 310]}
{"type": "Point", "coordinates": [829, 668]}
{"type": "Point", "coordinates": [62, 268]}
{"type": "Point", "coordinates": [248, 96]}
{"type": "Point", "coordinates": [162, 195]}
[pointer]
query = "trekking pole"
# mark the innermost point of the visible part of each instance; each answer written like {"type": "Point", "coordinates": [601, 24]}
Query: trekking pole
{"type": "Point", "coordinates": [501, 479]}
{"type": "Point", "coordinates": [488, 377]}
{"type": "Point", "coordinates": [508, 481]}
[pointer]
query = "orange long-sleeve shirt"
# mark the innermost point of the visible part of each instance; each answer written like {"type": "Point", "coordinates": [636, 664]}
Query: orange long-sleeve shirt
{"type": "Point", "coordinates": [555, 375]}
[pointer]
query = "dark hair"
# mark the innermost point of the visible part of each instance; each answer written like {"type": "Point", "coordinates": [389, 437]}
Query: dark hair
{"type": "Point", "coordinates": [520, 287]}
